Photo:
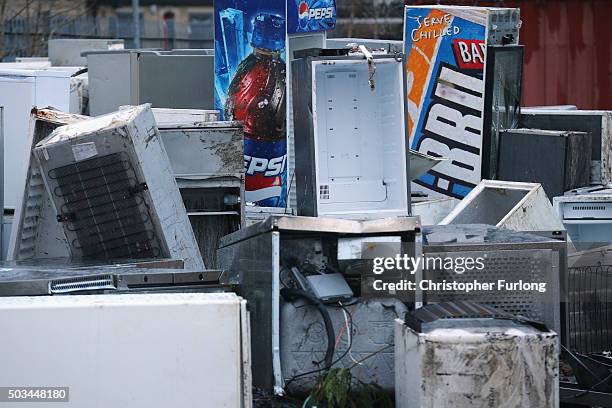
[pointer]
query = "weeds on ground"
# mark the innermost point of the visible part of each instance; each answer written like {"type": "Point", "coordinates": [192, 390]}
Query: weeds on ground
{"type": "Point", "coordinates": [338, 389]}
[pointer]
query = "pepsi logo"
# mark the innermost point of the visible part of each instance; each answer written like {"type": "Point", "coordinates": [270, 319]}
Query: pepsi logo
{"type": "Point", "coordinates": [303, 10]}
{"type": "Point", "coordinates": [307, 13]}
{"type": "Point", "coordinates": [261, 165]}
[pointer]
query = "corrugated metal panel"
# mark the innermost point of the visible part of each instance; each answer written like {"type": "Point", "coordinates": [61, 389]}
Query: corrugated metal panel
{"type": "Point", "coordinates": [568, 52]}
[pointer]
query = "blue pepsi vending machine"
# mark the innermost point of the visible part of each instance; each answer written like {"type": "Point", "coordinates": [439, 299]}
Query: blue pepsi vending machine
{"type": "Point", "coordinates": [250, 82]}
{"type": "Point", "coordinates": [250, 86]}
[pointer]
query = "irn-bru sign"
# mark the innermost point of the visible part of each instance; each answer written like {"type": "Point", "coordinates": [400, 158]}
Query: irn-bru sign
{"type": "Point", "coordinates": [445, 56]}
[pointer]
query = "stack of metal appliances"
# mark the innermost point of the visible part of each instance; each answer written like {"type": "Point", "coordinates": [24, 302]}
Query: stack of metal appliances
{"type": "Point", "coordinates": [585, 212]}
{"type": "Point", "coordinates": [103, 244]}
{"type": "Point", "coordinates": [584, 209]}
{"type": "Point", "coordinates": [102, 191]}
{"type": "Point", "coordinates": [302, 278]}
{"type": "Point", "coordinates": [168, 186]}
{"type": "Point", "coordinates": [306, 282]}
{"type": "Point", "coordinates": [210, 189]}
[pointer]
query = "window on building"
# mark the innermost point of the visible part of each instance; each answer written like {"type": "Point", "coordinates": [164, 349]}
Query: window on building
{"type": "Point", "coordinates": [201, 26]}
{"type": "Point", "coordinates": [121, 24]}
{"type": "Point", "coordinates": [168, 30]}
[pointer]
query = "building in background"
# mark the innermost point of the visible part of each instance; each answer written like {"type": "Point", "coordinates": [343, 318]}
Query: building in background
{"type": "Point", "coordinates": [27, 25]}
{"type": "Point", "coordinates": [568, 53]}
{"type": "Point", "coordinates": [369, 19]}
{"type": "Point", "coordinates": [163, 23]}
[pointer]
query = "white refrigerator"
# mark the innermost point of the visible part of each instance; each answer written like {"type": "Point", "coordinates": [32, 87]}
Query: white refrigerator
{"type": "Point", "coordinates": [21, 90]}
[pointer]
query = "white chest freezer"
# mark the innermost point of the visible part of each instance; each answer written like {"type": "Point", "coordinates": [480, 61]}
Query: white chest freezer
{"type": "Point", "coordinates": [142, 350]}
{"type": "Point", "coordinates": [462, 354]}
{"type": "Point", "coordinates": [20, 91]}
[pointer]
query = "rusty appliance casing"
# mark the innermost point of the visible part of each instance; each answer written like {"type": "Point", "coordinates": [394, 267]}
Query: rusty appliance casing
{"type": "Point", "coordinates": [253, 259]}
{"type": "Point", "coordinates": [463, 352]}
{"type": "Point", "coordinates": [207, 160]}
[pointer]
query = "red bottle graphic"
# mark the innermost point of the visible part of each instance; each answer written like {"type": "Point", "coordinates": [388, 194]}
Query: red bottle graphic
{"type": "Point", "coordinates": [256, 97]}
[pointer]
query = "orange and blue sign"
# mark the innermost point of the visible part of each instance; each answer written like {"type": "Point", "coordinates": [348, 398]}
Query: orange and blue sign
{"type": "Point", "coordinates": [445, 53]}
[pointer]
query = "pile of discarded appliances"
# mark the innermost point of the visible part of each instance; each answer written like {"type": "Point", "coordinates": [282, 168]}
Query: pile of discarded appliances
{"type": "Point", "coordinates": [132, 246]}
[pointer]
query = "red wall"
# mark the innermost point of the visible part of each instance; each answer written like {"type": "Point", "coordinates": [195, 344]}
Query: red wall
{"type": "Point", "coordinates": [568, 50]}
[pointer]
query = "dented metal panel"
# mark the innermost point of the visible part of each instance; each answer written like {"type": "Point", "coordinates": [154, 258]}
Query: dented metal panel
{"type": "Point", "coordinates": [208, 163]}
{"type": "Point", "coordinates": [371, 330]}
{"type": "Point", "coordinates": [597, 123]}
{"type": "Point", "coordinates": [79, 94]}
{"type": "Point", "coordinates": [512, 205]}
{"type": "Point", "coordinates": [184, 118]}
{"type": "Point", "coordinates": [476, 362]}
{"type": "Point", "coordinates": [213, 149]}
{"type": "Point", "coordinates": [314, 225]}
{"type": "Point", "coordinates": [432, 210]}
{"type": "Point", "coordinates": [560, 160]}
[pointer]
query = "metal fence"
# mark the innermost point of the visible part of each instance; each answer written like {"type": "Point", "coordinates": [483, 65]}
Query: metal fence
{"type": "Point", "coordinates": [24, 37]}
{"type": "Point", "coordinates": [590, 308]}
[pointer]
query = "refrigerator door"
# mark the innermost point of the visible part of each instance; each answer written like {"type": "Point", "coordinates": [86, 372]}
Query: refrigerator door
{"type": "Point", "coordinates": [502, 101]}
{"type": "Point", "coordinates": [351, 158]}
{"type": "Point", "coordinates": [17, 96]}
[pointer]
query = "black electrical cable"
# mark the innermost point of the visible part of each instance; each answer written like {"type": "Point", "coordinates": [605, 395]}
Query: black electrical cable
{"type": "Point", "coordinates": [280, 277]}
{"type": "Point", "coordinates": [290, 294]}
{"type": "Point", "coordinates": [344, 307]}
{"type": "Point", "coordinates": [587, 369]}
{"type": "Point", "coordinates": [348, 349]}
{"type": "Point", "coordinates": [585, 392]}
{"type": "Point", "coordinates": [601, 380]}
